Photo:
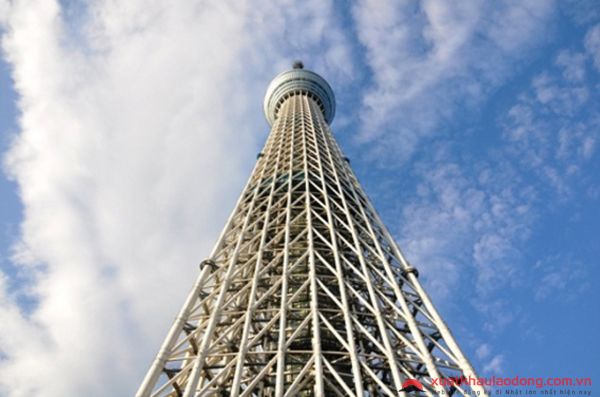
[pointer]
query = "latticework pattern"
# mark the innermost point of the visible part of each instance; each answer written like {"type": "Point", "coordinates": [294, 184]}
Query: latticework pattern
{"type": "Point", "coordinates": [305, 293]}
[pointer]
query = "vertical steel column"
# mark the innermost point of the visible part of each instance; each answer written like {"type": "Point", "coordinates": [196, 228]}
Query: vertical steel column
{"type": "Point", "coordinates": [235, 388]}
{"type": "Point", "coordinates": [314, 302]}
{"type": "Point", "coordinates": [161, 358]}
{"type": "Point", "coordinates": [317, 128]}
{"type": "Point", "coordinates": [281, 343]}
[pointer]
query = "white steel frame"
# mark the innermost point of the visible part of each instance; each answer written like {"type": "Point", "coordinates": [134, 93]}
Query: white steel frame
{"type": "Point", "coordinates": [306, 292]}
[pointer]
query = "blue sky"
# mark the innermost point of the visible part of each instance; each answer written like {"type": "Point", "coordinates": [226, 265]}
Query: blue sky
{"type": "Point", "coordinates": [128, 129]}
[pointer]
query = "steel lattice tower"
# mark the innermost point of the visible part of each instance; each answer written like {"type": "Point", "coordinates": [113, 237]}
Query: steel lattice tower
{"type": "Point", "coordinates": [305, 293]}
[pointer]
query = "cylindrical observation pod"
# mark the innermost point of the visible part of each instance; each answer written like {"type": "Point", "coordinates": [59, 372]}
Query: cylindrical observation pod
{"type": "Point", "coordinates": [298, 81]}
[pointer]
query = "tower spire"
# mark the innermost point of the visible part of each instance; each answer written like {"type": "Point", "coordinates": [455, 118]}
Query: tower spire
{"type": "Point", "coordinates": [306, 293]}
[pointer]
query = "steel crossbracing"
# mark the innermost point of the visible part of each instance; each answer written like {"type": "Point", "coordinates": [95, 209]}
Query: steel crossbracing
{"type": "Point", "coordinates": [305, 293]}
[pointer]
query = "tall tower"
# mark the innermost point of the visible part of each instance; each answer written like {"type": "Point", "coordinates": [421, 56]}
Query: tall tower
{"type": "Point", "coordinates": [305, 293]}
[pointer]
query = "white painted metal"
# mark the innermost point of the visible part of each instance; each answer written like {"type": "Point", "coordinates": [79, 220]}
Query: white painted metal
{"type": "Point", "coordinates": [306, 293]}
{"type": "Point", "coordinates": [295, 81]}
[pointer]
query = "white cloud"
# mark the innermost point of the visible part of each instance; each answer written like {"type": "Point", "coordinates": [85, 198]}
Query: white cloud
{"type": "Point", "coordinates": [483, 351]}
{"type": "Point", "coordinates": [553, 127]}
{"type": "Point", "coordinates": [495, 365]}
{"type": "Point", "coordinates": [140, 121]}
{"type": "Point", "coordinates": [582, 12]}
{"type": "Point", "coordinates": [592, 44]}
{"type": "Point", "coordinates": [491, 206]}
{"type": "Point", "coordinates": [562, 99]}
{"type": "Point", "coordinates": [430, 59]}
{"type": "Point", "coordinates": [465, 229]}
{"type": "Point", "coordinates": [573, 64]}
{"type": "Point", "coordinates": [560, 279]}
{"type": "Point", "coordinates": [4, 9]}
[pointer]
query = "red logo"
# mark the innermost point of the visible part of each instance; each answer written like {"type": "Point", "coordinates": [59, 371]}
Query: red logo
{"type": "Point", "coordinates": [411, 386]}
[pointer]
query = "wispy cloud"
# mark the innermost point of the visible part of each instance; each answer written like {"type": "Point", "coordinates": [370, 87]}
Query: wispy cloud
{"type": "Point", "coordinates": [552, 130]}
{"type": "Point", "coordinates": [560, 279]}
{"type": "Point", "coordinates": [468, 222]}
{"type": "Point", "coordinates": [592, 45]}
{"type": "Point", "coordinates": [432, 59]}
{"type": "Point", "coordinates": [466, 227]}
{"type": "Point", "coordinates": [494, 366]}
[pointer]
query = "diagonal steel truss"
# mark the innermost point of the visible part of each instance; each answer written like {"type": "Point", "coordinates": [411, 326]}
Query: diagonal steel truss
{"type": "Point", "coordinates": [305, 293]}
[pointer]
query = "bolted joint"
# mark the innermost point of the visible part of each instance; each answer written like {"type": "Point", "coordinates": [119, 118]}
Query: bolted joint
{"type": "Point", "coordinates": [407, 270]}
{"type": "Point", "coordinates": [171, 372]}
{"type": "Point", "coordinates": [189, 328]}
{"type": "Point", "coordinates": [209, 262]}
